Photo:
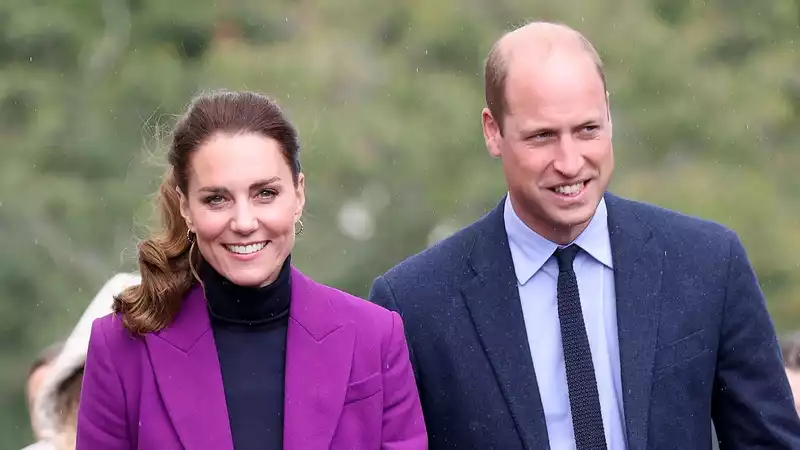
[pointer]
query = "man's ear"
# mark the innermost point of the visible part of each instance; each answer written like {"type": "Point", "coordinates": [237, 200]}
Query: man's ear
{"type": "Point", "coordinates": [491, 133]}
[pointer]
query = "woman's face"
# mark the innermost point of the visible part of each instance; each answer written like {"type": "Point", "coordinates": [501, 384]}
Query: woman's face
{"type": "Point", "coordinates": [242, 205]}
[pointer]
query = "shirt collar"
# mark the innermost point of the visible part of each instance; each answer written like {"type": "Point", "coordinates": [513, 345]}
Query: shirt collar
{"type": "Point", "coordinates": [530, 251]}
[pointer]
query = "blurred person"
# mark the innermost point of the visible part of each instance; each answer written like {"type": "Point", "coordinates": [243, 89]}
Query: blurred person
{"type": "Point", "coordinates": [568, 317]}
{"type": "Point", "coordinates": [36, 374]}
{"type": "Point", "coordinates": [55, 405]}
{"type": "Point", "coordinates": [790, 350]}
{"type": "Point", "coordinates": [226, 344]}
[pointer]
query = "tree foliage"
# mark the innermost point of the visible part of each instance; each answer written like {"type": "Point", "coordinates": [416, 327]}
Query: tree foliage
{"type": "Point", "coordinates": [387, 97]}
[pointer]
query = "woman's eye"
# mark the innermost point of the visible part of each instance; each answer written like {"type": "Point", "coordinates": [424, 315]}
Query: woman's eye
{"type": "Point", "coordinates": [266, 194]}
{"type": "Point", "coordinates": [214, 200]}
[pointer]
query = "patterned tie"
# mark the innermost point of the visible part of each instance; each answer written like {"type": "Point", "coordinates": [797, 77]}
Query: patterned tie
{"type": "Point", "coordinates": [584, 402]}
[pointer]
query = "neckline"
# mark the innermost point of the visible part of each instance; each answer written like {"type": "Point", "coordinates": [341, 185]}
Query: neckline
{"type": "Point", "coordinates": [242, 305]}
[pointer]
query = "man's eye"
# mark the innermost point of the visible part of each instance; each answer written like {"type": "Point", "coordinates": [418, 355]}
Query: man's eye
{"type": "Point", "coordinates": [542, 136]}
{"type": "Point", "coordinates": [590, 130]}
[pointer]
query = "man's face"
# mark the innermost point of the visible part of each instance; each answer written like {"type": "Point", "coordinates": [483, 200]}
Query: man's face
{"type": "Point", "coordinates": [555, 145]}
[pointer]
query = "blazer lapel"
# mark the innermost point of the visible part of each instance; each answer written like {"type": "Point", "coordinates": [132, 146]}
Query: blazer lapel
{"type": "Point", "coordinates": [492, 299]}
{"type": "Point", "coordinates": [319, 352]}
{"type": "Point", "coordinates": [638, 263]}
{"type": "Point", "coordinates": [187, 371]}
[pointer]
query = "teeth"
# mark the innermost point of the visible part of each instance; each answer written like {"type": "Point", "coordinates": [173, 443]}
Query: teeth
{"type": "Point", "coordinates": [571, 189]}
{"type": "Point", "coordinates": [246, 249]}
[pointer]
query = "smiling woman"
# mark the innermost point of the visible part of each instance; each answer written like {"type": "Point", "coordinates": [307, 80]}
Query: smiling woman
{"type": "Point", "coordinates": [225, 344]}
{"type": "Point", "coordinates": [241, 202]}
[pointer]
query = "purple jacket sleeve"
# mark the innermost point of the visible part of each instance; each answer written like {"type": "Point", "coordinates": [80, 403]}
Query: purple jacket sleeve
{"type": "Point", "coordinates": [403, 424]}
{"type": "Point", "coordinates": [102, 421]}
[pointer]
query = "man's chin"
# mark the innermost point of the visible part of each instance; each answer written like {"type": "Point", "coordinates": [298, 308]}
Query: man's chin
{"type": "Point", "coordinates": [573, 222]}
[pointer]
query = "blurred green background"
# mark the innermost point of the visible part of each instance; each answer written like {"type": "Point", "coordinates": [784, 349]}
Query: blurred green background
{"type": "Point", "coordinates": [387, 97]}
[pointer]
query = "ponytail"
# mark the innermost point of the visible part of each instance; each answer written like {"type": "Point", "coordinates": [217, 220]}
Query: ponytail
{"type": "Point", "coordinates": [164, 265]}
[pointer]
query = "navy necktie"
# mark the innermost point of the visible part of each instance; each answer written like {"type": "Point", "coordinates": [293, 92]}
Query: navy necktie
{"type": "Point", "coordinates": [584, 402]}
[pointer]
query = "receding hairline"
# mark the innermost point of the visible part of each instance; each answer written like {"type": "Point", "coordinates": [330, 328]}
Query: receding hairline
{"type": "Point", "coordinates": [541, 36]}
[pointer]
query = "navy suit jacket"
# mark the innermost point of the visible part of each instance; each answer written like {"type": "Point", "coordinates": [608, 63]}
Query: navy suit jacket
{"type": "Point", "coordinates": [696, 341]}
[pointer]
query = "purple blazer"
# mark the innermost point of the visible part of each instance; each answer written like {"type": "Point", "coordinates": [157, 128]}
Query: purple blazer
{"type": "Point", "coordinates": [349, 383]}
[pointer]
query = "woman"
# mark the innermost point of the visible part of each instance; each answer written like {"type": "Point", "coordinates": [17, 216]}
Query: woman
{"type": "Point", "coordinates": [225, 344]}
{"type": "Point", "coordinates": [54, 409]}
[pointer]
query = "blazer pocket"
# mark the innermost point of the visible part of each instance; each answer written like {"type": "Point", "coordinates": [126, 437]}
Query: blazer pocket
{"type": "Point", "coordinates": [680, 351]}
{"type": "Point", "coordinates": [362, 389]}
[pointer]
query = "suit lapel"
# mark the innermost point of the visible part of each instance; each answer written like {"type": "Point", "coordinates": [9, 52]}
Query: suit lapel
{"type": "Point", "coordinates": [187, 371]}
{"type": "Point", "coordinates": [492, 299]}
{"type": "Point", "coordinates": [638, 263]}
{"type": "Point", "coordinates": [319, 352]}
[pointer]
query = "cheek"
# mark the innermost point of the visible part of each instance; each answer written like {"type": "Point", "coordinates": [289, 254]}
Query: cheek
{"type": "Point", "coordinates": [209, 224]}
{"type": "Point", "coordinates": [278, 223]}
{"type": "Point", "coordinates": [600, 154]}
{"type": "Point", "coordinates": [529, 164]}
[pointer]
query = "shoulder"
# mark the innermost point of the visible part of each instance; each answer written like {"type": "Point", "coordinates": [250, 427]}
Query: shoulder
{"type": "Point", "coordinates": [378, 332]}
{"type": "Point", "coordinates": [367, 316]}
{"type": "Point", "coordinates": [110, 335]}
{"type": "Point", "coordinates": [442, 260]}
{"type": "Point", "coordinates": [675, 230]}
{"type": "Point", "coordinates": [373, 324]}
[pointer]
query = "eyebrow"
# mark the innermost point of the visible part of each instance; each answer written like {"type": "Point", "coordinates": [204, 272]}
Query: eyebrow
{"type": "Point", "coordinates": [258, 184]}
{"type": "Point", "coordinates": [548, 129]}
{"type": "Point", "coordinates": [589, 122]}
{"type": "Point", "coordinates": [533, 131]}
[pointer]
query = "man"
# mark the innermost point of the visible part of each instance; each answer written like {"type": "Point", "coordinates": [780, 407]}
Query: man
{"type": "Point", "coordinates": [570, 318]}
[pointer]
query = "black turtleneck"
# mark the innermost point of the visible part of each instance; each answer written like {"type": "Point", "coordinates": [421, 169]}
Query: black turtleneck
{"type": "Point", "coordinates": [249, 326]}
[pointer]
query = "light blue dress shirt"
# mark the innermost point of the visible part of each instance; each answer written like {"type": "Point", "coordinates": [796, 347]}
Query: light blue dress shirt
{"type": "Point", "coordinates": [537, 274]}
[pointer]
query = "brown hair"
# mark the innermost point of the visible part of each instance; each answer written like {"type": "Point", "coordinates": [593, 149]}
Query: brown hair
{"type": "Point", "coordinates": [495, 73]}
{"type": "Point", "coordinates": [164, 256]}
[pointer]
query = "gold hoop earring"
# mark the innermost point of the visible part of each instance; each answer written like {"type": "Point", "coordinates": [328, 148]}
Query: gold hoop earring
{"type": "Point", "coordinates": [299, 229]}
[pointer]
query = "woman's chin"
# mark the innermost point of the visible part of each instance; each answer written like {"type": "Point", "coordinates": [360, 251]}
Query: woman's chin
{"type": "Point", "coordinates": [249, 278]}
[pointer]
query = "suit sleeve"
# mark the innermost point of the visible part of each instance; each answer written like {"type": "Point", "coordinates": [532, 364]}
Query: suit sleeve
{"type": "Point", "coordinates": [102, 414]}
{"type": "Point", "coordinates": [752, 405]}
{"type": "Point", "coordinates": [403, 423]}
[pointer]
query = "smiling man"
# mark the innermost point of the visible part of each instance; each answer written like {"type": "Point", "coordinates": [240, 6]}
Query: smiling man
{"type": "Point", "coordinates": [570, 318]}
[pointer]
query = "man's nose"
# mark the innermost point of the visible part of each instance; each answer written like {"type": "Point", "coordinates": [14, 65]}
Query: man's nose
{"type": "Point", "coordinates": [569, 159]}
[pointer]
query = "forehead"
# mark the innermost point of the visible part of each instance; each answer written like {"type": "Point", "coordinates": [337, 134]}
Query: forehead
{"type": "Point", "coordinates": [557, 87]}
{"type": "Point", "coordinates": [233, 160]}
